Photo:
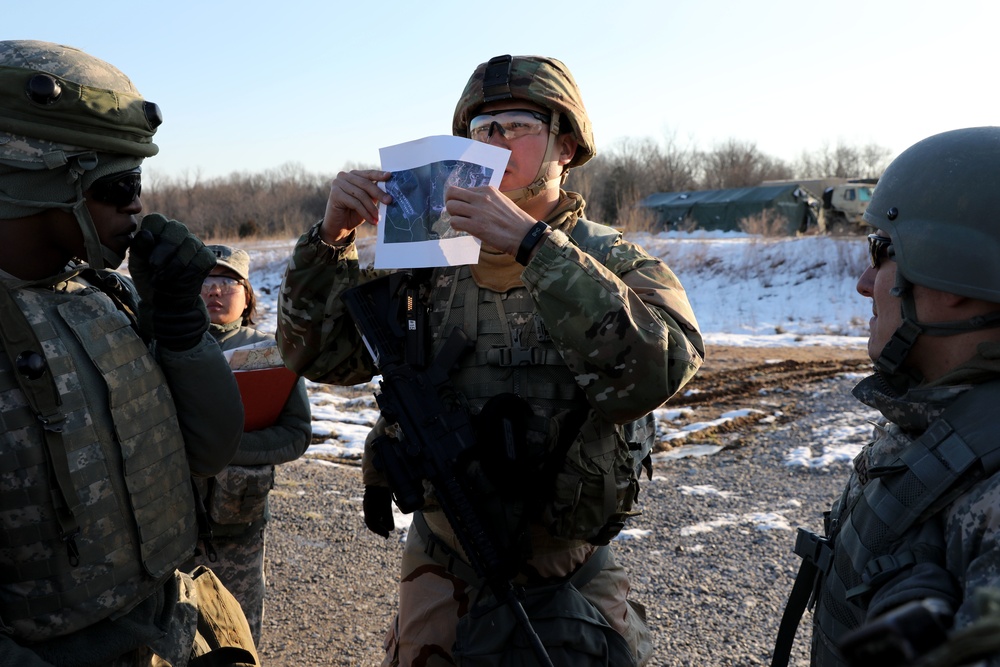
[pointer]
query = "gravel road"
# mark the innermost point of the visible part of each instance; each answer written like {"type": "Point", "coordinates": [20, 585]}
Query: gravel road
{"type": "Point", "coordinates": [713, 582]}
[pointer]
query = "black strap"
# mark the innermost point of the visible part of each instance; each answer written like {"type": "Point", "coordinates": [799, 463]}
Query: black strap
{"type": "Point", "coordinates": [534, 236]}
{"type": "Point", "coordinates": [224, 656]}
{"type": "Point", "coordinates": [816, 555]}
{"type": "Point", "coordinates": [798, 600]}
{"type": "Point", "coordinates": [496, 79]}
{"type": "Point", "coordinates": [205, 534]}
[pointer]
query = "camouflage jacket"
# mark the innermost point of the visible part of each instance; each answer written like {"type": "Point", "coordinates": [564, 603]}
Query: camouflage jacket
{"type": "Point", "coordinates": [957, 550]}
{"type": "Point", "coordinates": [245, 509]}
{"type": "Point", "coordinates": [626, 329]}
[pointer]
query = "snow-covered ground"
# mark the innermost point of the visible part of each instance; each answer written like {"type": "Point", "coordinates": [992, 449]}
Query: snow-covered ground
{"type": "Point", "coordinates": [745, 290]}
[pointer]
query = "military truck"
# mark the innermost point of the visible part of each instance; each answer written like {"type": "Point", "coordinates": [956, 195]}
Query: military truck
{"type": "Point", "coordinates": [843, 206]}
{"type": "Point", "coordinates": [839, 203]}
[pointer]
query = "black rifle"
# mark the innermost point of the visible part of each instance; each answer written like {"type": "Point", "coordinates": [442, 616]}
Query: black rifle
{"type": "Point", "coordinates": [436, 436]}
{"type": "Point", "coordinates": [900, 636]}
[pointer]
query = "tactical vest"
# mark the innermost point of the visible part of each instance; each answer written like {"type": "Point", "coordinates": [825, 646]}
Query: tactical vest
{"type": "Point", "coordinates": [889, 526]}
{"type": "Point", "coordinates": [597, 484]}
{"type": "Point", "coordinates": [123, 483]}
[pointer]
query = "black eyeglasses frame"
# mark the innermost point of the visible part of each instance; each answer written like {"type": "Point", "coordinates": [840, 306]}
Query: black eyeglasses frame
{"type": "Point", "coordinates": [879, 249]}
{"type": "Point", "coordinates": [119, 189]}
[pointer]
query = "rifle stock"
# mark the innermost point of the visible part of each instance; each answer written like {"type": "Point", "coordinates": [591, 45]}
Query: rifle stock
{"type": "Point", "coordinates": [437, 436]}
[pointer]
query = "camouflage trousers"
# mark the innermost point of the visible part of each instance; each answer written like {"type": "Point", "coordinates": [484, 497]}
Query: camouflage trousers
{"type": "Point", "coordinates": [432, 598]}
{"type": "Point", "coordinates": [240, 565]}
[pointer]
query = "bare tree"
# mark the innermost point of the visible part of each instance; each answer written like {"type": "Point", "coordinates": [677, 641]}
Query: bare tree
{"type": "Point", "coordinates": [739, 164]}
{"type": "Point", "coordinates": [279, 201]}
{"type": "Point", "coordinates": [285, 200]}
{"type": "Point", "coordinates": [631, 169]}
{"type": "Point", "coordinates": [843, 161]}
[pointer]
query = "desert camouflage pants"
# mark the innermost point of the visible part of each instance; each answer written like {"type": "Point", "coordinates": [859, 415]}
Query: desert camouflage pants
{"type": "Point", "coordinates": [240, 566]}
{"type": "Point", "coordinates": [432, 599]}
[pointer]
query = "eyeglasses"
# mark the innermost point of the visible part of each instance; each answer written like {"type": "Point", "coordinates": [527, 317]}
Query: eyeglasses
{"type": "Point", "coordinates": [879, 249]}
{"type": "Point", "coordinates": [119, 189]}
{"type": "Point", "coordinates": [224, 284]}
{"type": "Point", "coordinates": [511, 123]}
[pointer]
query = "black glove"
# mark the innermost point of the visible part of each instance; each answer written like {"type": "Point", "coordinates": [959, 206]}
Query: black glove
{"type": "Point", "coordinates": [377, 505]}
{"type": "Point", "coordinates": [168, 265]}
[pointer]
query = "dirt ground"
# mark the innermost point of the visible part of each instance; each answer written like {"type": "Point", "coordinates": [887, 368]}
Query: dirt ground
{"type": "Point", "coordinates": [723, 358]}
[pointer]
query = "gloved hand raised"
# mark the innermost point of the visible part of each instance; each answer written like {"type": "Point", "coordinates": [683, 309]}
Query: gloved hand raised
{"type": "Point", "coordinates": [168, 265]}
{"type": "Point", "coordinates": [377, 505]}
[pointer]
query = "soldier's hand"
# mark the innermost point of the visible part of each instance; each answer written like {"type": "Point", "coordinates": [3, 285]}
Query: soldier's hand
{"type": "Point", "coordinates": [168, 265]}
{"type": "Point", "coordinates": [354, 199]}
{"type": "Point", "coordinates": [377, 505]}
{"type": "Point", "coordinates": [487, 214]}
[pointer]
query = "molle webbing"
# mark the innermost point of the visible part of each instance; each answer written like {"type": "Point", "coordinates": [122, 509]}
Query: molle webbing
{"type": "Point", "coordinates": [514, 352]}
{"type": "Point", "coordinates": [956, 451]}
{"type": "Point", "coordinates": [135, 508]}
{"type": "Point", "coordinates": [23, 347]}
{"type": "Point", "coordinates": [505, 330]}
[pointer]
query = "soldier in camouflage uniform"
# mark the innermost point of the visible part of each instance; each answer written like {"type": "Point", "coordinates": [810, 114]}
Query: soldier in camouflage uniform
{"type": "Point", "coordinates": [102, 395]}
{"type": "Point", "coordinates": [587, 328]}
{"type": "Point", "coordinates": [916, 532]}
{"type": "Point", "coordinates": [236, 500]}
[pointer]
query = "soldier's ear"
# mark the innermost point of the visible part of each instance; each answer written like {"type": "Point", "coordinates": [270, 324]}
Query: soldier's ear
{"type": "Point", "coordinates": [567, 145]}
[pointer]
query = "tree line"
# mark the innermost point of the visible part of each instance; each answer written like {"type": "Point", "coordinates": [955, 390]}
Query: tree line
{"type": "Point", "coordinates": [283, 202]}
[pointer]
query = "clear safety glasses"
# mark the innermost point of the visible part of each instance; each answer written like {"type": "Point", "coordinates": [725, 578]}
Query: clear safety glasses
{"type": "Point", "coordinates": [510, 123]}
{"type": "Point", "coordinates": [224, 285]}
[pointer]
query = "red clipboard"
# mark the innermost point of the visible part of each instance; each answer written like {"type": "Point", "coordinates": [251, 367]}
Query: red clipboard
{"type": "Point", "coordinates": [264, 392]}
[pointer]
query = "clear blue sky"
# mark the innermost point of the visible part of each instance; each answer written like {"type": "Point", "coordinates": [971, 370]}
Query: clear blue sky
{"type": "Point", "coordinates": [249, 85]}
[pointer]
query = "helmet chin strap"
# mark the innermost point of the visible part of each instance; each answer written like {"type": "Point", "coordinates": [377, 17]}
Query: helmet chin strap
{"type": "Point", "coordinates": [896, 350]}
{"type": "Point", "coordinates": [98, 256]}
{"type": "Point", "coordinates": [898, 347]}
{"type": "Point", "coordinates": [523, 195]}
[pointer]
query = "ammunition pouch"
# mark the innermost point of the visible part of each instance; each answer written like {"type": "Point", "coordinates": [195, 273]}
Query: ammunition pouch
{"type": "Point", "coordinates": [238, 494]}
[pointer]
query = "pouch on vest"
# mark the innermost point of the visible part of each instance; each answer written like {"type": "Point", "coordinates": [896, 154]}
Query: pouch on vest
{"type": "Point", "coordinates": [570, 627]}
{"type": "Point", "coordinates": [596, 485]}
{"type": "Point", "coordinates": [239, 494]}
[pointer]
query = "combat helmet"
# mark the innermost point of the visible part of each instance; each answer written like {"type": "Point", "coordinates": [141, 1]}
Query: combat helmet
{"type": "Point", "coordinates": [939, 202]}
{"type": "Point", "coordinates": [544, 81]}
{"type": "Point", "coordinates": [66, 120]}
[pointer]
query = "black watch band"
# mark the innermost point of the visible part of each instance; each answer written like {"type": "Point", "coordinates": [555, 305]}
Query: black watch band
{"type": "Point", "coordinates": [528, 243]}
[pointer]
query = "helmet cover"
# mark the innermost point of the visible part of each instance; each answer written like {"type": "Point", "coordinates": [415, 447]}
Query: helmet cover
{"type": "Point", "coordinates": [545, 81]}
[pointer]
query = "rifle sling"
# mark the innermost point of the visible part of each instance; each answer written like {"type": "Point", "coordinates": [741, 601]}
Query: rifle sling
{"type": "Point", "coordinates": [798, 599]}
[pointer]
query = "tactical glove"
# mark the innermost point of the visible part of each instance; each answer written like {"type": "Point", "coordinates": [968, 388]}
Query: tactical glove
{"type": "Point", "coordinates": [377, 505]}
{"type": "Point", "coordinates": [168, 265]}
